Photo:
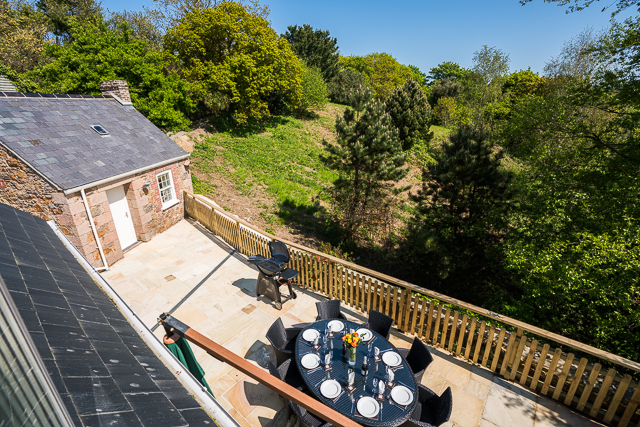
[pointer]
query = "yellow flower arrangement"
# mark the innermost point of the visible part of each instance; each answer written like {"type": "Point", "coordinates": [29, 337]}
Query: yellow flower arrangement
{"type": "Point", "coordinates": [352, 339]}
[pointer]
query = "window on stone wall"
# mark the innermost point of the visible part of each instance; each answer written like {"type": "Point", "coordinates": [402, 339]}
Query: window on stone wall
{"type": "Point", "coordinates": [167, 191]}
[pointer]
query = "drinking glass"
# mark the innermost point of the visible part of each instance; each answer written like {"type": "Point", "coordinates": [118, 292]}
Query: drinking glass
{"type": "Point", "coordinates": [370, 349]}
{"type": "Point", "coordinates": [375, 386]}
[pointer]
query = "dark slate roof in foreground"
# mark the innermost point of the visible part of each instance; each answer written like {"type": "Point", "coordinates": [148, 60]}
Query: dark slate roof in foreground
{"type": "Point", "coordinates": [103, 370]}
{"type": "Point", "coordinates": [53, 134]}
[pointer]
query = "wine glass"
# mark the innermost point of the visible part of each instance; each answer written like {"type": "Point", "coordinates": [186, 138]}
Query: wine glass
{"type": "Point", "coordinates": [375, 386]}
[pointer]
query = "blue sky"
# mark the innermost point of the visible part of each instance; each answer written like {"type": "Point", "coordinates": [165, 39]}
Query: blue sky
{"type": "Point", "coordinates": [425, 33]}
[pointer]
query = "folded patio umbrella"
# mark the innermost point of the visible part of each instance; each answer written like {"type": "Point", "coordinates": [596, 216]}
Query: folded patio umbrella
{"type": "Point", "coordinates": [181, 349]}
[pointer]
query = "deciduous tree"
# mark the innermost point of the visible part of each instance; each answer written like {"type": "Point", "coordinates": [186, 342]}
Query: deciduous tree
{"type": "Point", "coordinates": [233, 57]}
{"type": "Point", "coordinates": [97, 53]}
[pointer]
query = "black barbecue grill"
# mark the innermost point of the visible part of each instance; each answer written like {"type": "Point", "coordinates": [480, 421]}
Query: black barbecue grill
{"type": "Point", "coordinates": [273, 273]}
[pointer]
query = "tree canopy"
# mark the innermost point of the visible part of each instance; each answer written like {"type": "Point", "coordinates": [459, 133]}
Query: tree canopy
{"type": "Point", "coordinates": [99, 53]}
{"type": "Point", "coordinates": [235, 58]}
{"type": "Point", "coordinates": [316, 48]}
{"type": "Point", "coordinates": [383, 72]}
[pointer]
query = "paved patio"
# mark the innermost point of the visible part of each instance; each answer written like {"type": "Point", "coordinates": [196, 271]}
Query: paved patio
{"type": "Point", "coordinates": [213, 288]}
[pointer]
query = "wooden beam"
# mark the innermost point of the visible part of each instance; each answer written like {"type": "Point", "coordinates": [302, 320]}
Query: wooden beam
{"type": "Point", "coordinates": [265, 378]}
{"type": "Point", "coordinates": [441, 297]}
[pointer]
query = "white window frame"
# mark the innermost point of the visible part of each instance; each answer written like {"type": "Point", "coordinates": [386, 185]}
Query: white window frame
{"type": "Point", "coordinates": [174, 200]}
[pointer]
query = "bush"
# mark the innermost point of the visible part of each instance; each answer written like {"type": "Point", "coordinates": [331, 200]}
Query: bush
{"type": "Point", "coordinates": [343, 84]}
{"type": "Point", "coordinates": [314, 89]}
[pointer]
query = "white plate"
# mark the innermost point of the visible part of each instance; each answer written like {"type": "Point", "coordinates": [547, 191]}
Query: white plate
{"type": "Point", "coordinates": [391, 358]}
{"type": "Point", "coordinates": [310, 334]}
{"type": "Point", "coordinates": [368, 407]}
{"type": "Point", "coordinates": [330, 389]}
{"type": "Point", "coordinates": [335, 326]}
{"type": "Point", "coordinates": [310, 361]}
{"type": "Point", "coordinates": [365, 334]}
{"type": "Point", "coordinates": [401, 395]}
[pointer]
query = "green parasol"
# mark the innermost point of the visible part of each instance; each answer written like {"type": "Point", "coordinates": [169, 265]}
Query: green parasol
{"type": "Point", "coordinates": [181, 349]}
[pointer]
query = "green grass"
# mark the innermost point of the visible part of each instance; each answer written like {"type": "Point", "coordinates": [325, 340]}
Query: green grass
{"type": "Point", "coordinates": [280, 157]}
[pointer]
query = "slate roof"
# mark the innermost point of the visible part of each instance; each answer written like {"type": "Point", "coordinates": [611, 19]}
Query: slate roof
{"type": "Point", "coordinates": [6, 84]}
{"type": "Point", "coordinates": [53, 134]}
{"type": "Point", "coordinates": [104, 372]}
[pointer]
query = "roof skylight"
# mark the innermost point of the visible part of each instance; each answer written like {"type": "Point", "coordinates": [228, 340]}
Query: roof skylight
{"type": "Point", "coordinates": [101, 131]}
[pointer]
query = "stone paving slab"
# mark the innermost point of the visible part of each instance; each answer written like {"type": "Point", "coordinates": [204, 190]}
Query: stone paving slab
{"type": "Point", "coordinates": [155, 277]}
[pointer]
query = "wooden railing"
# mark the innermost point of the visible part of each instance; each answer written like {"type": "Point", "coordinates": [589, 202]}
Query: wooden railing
{"type": "Point", "coordinates": [548, 368]}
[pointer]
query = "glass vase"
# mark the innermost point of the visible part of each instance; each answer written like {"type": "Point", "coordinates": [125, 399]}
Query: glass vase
{"type": "Point", "coordinates": [351, 351]}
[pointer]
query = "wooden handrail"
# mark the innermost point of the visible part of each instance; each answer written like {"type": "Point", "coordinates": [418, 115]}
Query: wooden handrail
{"type": "Point", "coordinates": [283, 389]}
{"type": "Point", "coordinates": [618, 360]}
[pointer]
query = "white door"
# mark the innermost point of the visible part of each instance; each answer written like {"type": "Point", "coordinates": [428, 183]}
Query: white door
{"type": "Point", "coordinates": [121, 216]}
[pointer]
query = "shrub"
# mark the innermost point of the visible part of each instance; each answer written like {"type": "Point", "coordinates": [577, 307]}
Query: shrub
{"type": "Point", "coordinates": [314, 89]}
{"type": "Point", "coordinates": [343, 84]}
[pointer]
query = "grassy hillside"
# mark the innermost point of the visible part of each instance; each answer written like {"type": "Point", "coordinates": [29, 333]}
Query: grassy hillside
{"type": "Point", "coordinates": [272, 175]}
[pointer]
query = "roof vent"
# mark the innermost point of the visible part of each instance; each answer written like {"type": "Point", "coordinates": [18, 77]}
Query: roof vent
{"type": "Point", "coordinates": [101, 131]}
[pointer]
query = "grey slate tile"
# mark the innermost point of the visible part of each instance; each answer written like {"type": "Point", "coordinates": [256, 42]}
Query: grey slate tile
{"type": "Point", "coordinates": [63, 127]}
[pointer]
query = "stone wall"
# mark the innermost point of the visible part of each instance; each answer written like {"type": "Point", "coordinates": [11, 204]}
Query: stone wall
{"type": "Point", "coordinates": [145, 206]}
{"type": "Point", "coordinates": [24, 189]}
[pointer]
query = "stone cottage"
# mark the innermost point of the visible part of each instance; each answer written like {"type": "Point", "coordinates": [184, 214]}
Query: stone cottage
{"type": "Point", "coordinates": [93, 164]}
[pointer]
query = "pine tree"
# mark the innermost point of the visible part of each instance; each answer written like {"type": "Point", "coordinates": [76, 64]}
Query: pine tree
{"type": "Point", "coordinates": [462, 211]}
{"type": "Point", "coordinates": [368, 158]}
{"type": "Point", "coordinates": [410, 113]}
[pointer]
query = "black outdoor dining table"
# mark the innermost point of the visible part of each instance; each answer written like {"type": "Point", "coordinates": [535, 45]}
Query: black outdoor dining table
{"type": "Point", "coordinates": [391, 415]}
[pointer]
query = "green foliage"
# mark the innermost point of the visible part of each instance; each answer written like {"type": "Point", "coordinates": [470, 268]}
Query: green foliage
{"type": "Point", "coordinates": [97, 53]}
{"type": "Point", "coordinates": [461, 218]}
{"type": "Point", "coordinates": [20, 81]}
{"type": "Point", "coordinates": [22, 35]}
{"type": "Point", "coordinates": [582, 4]}
{"type": "Point", "coordinates": [343, 84]}
{"type": "Point", "coordinates": [410, 113]}
{"type": "Point", "coordinates": [236, 59]}
{"type": "Point", "coordinates": [62, 13]}
{"type": "Point", "coordinates": [140, 25]}
{"type": "Point", "coordinates": [314, 89]}
{"type": "Point", "coordinates": [449, 113]}
{"type": "Point", "coordinates": [446, 70]}
{"type": "Point", "coordinates": [368, 158]}
{"type": "Point", "coordinates": [522, 83]}
{"type": "Point", "coordinates": [445, 88]}
{"type": "Point", "coordinates": [316, 48]}
{"type": "Point", "coordinates": [420, 77]}
{"type": "Point", "coordinates": [383, 71]}
{"type": "Point", "coordinates": [482, 87]}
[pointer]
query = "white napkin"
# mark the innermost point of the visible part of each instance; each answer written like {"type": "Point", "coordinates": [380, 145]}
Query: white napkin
{"type": "Point", "coordinates": [316, 340]}
{"type": "Point", "coordinates": [327, 359]}
{"type": "Point", "coordinates": [392, 375]}
{"type": "Point", "coordinates": [376, 351]}
{"type": "Point", "coordinates": [352, 378]}
{"type": "Point", "coordinates": [381, 387]}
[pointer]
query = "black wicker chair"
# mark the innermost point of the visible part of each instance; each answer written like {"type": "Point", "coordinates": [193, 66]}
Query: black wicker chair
{"type": "Point", "coordinates": [329, 310]}
{"type": "Point", "coordinates": [431, 410]}
{"type": "Point", "coordinates": [289, 373]}
{"type": "Point", "coordinates": [380, 323]}
{"type": "Point", "coordinates": [418, 357]}
{"type": "Point", "coordinates": [283, 340]}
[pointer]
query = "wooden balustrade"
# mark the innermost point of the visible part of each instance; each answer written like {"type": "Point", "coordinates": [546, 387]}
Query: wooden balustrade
{"type": "Point", "coordinates": [506, 349]}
